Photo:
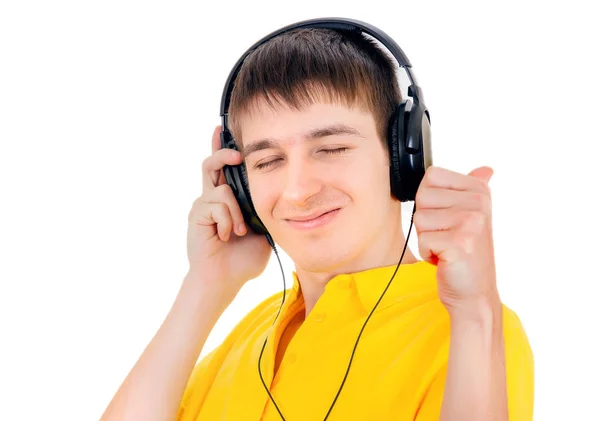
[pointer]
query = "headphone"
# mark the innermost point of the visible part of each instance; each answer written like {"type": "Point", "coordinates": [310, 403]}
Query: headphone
{"type": "Point", "coordinates": [409, 132]}
{"type": "Point", "coordinates": [408, 140]}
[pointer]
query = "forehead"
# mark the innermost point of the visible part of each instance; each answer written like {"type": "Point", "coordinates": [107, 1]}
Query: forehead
{"type": "Point", "coordinates": [280, 121]}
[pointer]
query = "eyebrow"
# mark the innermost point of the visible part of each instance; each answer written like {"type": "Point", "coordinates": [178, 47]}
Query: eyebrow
{"type": "Point", "coordinates": [331, 130]}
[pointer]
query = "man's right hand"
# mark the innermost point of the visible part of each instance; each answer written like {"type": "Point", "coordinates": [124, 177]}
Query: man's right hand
{"type": "Point", "coordinates": [222, 251]}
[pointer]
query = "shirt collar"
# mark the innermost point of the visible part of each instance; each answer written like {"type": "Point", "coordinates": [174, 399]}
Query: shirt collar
{"type": "Point", "coordinates": [369, 284]}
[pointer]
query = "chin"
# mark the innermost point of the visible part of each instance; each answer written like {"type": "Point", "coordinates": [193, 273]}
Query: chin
{"type": "Point", "coordinates": [326, 248]}
{"type": "Point", "coordinates": [321, 255]}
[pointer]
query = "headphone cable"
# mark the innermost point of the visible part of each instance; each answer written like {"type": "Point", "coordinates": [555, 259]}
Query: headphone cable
{"type": "Point", "coordinates": [361, 330]}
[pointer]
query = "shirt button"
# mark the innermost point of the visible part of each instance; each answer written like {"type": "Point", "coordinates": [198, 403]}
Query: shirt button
{"type": "Point", "coordinates": [320, 317]}
{"type": "Point", "coordinates": [291, 358]}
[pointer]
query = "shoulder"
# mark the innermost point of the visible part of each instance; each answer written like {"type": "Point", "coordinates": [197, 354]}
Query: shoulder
{"type": "Point", "coordinates": [425, 317]}
{"type": "Point", "coordinates": [255, 322]}
{"type": "Point", "coordinates": [259, 318]}
{"type": "Point", "coordinates": [512, 322]}
{"type": "Point", "coordinates": [207, 369]}
{"type": "Point", "coordinates": [516, 339]}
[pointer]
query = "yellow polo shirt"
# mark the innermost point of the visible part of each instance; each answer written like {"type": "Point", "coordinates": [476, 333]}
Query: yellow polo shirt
{"type": "Point", "coordinates": [397, 373]}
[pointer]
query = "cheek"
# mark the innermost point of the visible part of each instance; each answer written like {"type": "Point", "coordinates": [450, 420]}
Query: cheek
{"type": "Point", "coordinates": [371, 188]}
{"type": "Point", "coordinates": [368, 178]}
{"type": "Point", "coordinates": [264, 197]}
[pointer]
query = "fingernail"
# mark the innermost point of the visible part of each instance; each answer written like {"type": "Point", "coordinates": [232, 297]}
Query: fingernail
{"type": "Point", "coordinates": [241, 228]}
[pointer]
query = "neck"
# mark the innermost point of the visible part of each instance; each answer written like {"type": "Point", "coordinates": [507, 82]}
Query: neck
{"type": "Point", "coordinates": [384, 251]}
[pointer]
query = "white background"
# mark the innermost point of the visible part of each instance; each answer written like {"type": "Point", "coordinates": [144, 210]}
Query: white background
{"type": "Point", "coordinates": [106, 113]}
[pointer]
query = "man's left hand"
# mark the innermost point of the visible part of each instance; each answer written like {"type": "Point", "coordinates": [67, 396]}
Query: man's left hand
{"type": "Point", "coordinates": [453, 220]}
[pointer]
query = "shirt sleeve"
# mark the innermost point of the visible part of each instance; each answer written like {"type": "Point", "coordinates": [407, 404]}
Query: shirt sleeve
{"type": "Point", "coordinates": [205, 371]}
{"type": "Point", "coordinates": [200, 381]}
{"type": "Point", "coordinates": [519, 376]}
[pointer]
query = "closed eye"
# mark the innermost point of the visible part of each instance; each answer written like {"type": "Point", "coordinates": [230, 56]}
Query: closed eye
{"type": "Point", "coordinates": [334, 151]}
{"type": "Point", "coordinates": [266, 164]}
{"type": "Point", "coordinates": [327, 151]}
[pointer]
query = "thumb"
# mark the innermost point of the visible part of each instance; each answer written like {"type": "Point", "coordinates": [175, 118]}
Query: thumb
{"type": "Point", "coordinates": [482, 173]}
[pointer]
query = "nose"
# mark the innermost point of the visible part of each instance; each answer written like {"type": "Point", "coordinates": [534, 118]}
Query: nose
{"type": "Point", "coordinates": [301, 181]}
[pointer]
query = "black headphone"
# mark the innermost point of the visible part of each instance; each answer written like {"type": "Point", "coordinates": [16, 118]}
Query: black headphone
{"type": "Point", "coordinates": [409, 133]}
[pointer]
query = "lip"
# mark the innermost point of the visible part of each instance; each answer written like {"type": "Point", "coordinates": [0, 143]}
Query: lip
{"type": "Point", "coordinates": [313, 221]}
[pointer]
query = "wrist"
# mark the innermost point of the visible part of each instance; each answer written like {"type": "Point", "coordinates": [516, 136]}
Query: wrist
{"type": "Point", "coordinates": [481, 309]}
{"type": "Point", "coordinates": [207, 294]}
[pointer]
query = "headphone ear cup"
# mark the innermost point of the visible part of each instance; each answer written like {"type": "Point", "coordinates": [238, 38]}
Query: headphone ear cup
{"type": "Point", "coordinates": [396, 138]}
{"type": "Point", "coordinates": [409, 131]}
{"type": "Point", "coordinates": [238, 181]}
{"type": "Point", "coordinates": [244, 178]}
{"type": "Point", "coordinates": [413, 158]}
{"type": "Point", "coordinates": [237, 178]}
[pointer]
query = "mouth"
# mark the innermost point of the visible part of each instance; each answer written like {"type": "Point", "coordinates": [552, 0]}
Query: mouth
{"type": "Point", "coordinates": [313, 221]}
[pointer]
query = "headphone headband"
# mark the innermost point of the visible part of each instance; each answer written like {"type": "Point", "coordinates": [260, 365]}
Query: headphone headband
{"type": "Point", "coordinates": [327, 23]}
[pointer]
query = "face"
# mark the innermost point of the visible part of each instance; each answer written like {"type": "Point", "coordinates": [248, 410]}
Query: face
{"type": "Point", "coordinates": [319, 180]}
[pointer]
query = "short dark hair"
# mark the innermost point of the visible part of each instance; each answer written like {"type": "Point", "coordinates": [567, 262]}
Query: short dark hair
{"type": "Point", "coordinates": [299, 67]}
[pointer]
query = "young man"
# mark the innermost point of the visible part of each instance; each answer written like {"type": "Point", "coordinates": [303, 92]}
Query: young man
{"type": "Point", "coordinates": [440, 345]}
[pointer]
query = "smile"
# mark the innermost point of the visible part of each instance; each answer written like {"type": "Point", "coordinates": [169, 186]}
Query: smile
{"type": "Point", "coordinates": [316, 222]}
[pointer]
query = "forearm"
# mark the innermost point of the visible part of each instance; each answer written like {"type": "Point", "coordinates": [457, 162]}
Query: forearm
{"type": "Point", "coordinates": [476, 379]}
{"type": "Point", "coordinates": [153, 388]}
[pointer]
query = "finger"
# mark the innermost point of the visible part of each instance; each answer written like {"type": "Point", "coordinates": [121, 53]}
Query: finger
{"type": "Point", "coordinates": [216, 139]}
{"type": "Point", "coordinates": [484, 173]}
{"type": "Point", "coordinates": [224, 194]}
{"type": "Point", "coordinates": [444, 178]}
{"type": "Point", "coordinates": [217, 213]}
{"type": "Point", "coordinates": [436, 219]}
{"type": "Point", "coordinates": [441, 198]}
{"type": "Point", "coordinates": [212, 167]}
{"type": "Point", "coordinates": [462, 222]}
